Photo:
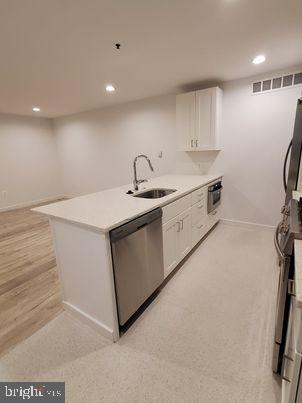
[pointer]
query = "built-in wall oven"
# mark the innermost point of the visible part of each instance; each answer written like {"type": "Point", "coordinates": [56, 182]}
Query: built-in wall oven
{"type": "Point", "coordinates": [214, 195]}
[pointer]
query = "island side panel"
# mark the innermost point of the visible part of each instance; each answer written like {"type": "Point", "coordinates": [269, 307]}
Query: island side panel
{"type": "Point", "coordinates": [86, 275]}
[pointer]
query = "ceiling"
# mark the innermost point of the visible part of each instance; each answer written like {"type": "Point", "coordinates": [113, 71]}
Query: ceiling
{"type": "Point", "coordinates": [60, 54]}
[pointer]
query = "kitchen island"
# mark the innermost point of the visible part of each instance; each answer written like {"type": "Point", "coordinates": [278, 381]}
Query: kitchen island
{"type": "Point", "coordinates": [81, 233]}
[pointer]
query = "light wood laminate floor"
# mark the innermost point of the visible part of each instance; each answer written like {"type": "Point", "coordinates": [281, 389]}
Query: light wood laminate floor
{"type": "Point", "coordinates": [29, 286]}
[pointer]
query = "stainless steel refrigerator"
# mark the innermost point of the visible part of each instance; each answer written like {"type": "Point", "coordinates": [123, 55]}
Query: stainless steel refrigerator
{"type": "Point", "coordinates": [288, 229]}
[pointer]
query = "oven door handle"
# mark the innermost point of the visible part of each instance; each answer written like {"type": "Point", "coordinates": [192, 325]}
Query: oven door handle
{"type": "Point", "coordinates": [215, 190]}
{"type": "Point", "coordinates": [276, 242]}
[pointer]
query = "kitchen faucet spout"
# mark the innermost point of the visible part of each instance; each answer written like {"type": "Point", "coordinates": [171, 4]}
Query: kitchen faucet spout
{"type": "Point", "coordinates": [136, 181]}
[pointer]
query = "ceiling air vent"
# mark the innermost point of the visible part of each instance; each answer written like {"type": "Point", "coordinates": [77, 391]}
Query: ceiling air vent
{"type": "Point", "coordinates": [266, 85]}
{"type": "Point", "coordinates": [287, 80]}
{"type": "Point", "coordinates": [277, 83]}
{"type": "Point", "coordinates": [298, 78]}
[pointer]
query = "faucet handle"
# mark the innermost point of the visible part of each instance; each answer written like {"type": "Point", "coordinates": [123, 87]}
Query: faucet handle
{"type": "Point", "coordinates": [141, 181]}
{"type": "Point", "coordinates": [136, 183]}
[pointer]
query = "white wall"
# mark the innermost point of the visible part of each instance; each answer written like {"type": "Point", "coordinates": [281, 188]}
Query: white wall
{"type": "Point", "coordinates": [96, 148]}
{"type": "Point", "coordinates": [256, 132]}
{"type": "Point", "coordinates": [28, 161]}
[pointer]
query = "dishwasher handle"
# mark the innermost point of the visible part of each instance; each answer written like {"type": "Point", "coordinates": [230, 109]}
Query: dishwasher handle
{"type": "Point", "coordinates": [135, 225]}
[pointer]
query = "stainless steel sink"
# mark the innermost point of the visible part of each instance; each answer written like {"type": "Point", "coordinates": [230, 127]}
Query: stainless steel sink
{"type": "Point", "coordinates": [155, 193]}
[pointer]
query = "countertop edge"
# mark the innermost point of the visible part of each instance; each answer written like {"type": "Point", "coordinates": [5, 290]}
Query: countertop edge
{"type": "Point", "coordinates": [119, 223]}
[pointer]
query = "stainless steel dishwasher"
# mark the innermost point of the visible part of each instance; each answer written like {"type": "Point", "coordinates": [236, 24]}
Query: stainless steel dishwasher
{"type": "Point", "coordinates": [137, 253]}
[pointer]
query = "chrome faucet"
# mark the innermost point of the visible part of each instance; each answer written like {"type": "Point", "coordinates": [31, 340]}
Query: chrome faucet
{"type": "Point", "coordinates": [136, 181]}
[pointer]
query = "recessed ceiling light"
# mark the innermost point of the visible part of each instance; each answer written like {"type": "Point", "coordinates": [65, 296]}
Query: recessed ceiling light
{"type": "Point", "coordinates": [36, 109]}
{"type": "Point", "coordinates": [110, 88]}
{"type": "Point", "coordinates": [259, 59]}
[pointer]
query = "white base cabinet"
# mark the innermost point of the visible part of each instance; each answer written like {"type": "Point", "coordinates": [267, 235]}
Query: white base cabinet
{"type": "Point", "coordinates": [213, 217]}
{"type": "Point", "coordinates": [171, 253]}
{"type": "Point", "coordinates": [292, 360]}
{"type": "Point", "coordinates": [176, 240]}
{"type": "Point", "coordinates": [185, 223]}
{"type": "Point", "coordinates": [184, 234]}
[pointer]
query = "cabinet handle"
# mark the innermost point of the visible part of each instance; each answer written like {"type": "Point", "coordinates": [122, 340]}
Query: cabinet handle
{"type": "Point", "coordinates": [286, 357]}
{"type": "Point", "coordinates": [199, 207]}
{"type": "Point", "coordinates": [178, 226]}
{"type": "Point", "coordinates": [214, 213]}
{"type": "Point", "coordinates": [196, 143]}
{"type": "Point", "coordinates": [201, 225]}
{"type": "Point", "coordinates": [182, 224]}
{"type": "Point", "coordinates": [192, 143]}
{"type": "Point", "coordinates": [291, 287]}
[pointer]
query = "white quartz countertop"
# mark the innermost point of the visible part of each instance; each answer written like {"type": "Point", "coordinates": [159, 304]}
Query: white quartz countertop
{"type": "Point", "coordinates": [110, 208]}
{"type": "Point", "coordinates": [297, 194]}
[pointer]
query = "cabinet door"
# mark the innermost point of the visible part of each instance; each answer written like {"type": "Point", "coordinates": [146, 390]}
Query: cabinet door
{"type": "Point", "coordinates": [170, 245]}
{"type": "Point", "coordinates": [186, 120]}
{"type": "Point", "coordinates": [208, 118]}
{"type": "Point", "coordinates": [185, 234]}
{"type": "Point", "coordinates": [204, 110]}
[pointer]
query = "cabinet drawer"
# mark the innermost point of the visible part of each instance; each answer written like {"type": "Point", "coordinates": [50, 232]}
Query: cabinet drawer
{"type": "Point", "coordinates": [297, 326]}
{"type": "Point", "coordinates": [215, 215]}
{"type": "Point", "coordinates": [173, 209]}
{"type": "Point", "coordinates": [291, 361]}
{"type": "Point", "coordinates": [199, 229]}
{"type": "Point", "coordinates": [198, 211]}
{"type": "Point", "coordinates": [199, 194]}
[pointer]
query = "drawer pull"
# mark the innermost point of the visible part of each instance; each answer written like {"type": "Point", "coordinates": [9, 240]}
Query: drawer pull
{"type": "Point", "coordinates": [287, 357]}
{"type": "Point", "coordinates": [214, 213]}
{"type": "Point", "coordinates": [200, 226]}
{"type": "Point", "coordinates": [199, 207]}
{"type": "Point", "coordinates": [179, 227]}
{"type": "Point", "coordinates": [291, 287]}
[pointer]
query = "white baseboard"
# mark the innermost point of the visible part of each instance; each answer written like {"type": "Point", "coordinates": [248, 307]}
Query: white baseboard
{"type": "Point", "coordinates": [245, 224]}
{"type": "Point", "coordinates": [90, 321]}
{"type": "Point", "coordinates": [33, 203]}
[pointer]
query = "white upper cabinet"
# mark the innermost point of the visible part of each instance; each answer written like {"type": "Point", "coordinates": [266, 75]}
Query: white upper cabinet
{"type": "Point", "coordinates": [198, 119]}
{"type": "Point", "coordinates": [185, 119]}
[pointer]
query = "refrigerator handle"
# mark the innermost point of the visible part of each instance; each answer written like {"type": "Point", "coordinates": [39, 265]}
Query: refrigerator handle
{"type": "Point", "coordinates": [285, 164]}
{"type": "Point", "coordinates": [277, 245]}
